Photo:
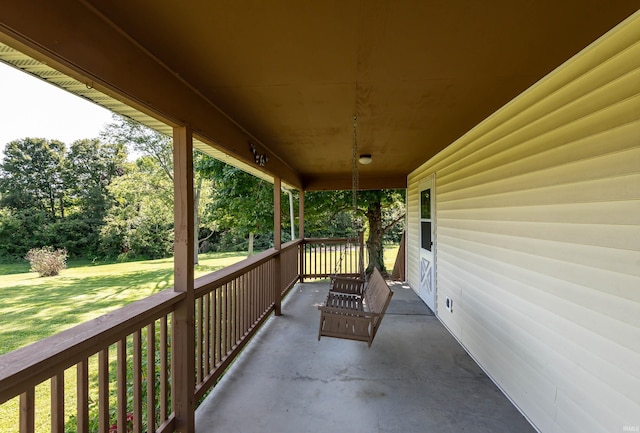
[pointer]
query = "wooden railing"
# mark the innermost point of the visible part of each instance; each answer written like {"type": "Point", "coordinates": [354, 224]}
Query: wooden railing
{"type": "Point", "coordinates": [95, 343]}
{"type": "Point", "coordinates": [122, 360]}
{"type": "Point", "coordinates": [324, 257]}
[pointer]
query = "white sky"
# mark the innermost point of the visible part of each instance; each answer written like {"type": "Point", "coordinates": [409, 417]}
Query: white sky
{"type": "Point", "coordinates": [30, 107]}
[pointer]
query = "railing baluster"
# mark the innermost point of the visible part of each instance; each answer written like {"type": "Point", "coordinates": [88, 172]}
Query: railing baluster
{"type": "Point", "coordinates": [264, 276]}
{"type": "Point", "coordinates": [231, 329]}
{"type": "Point", "coordinates": [151, 377]}
{"type": "Point", "coordinates": [216, 326]}
{"type": "Point", "coordinates": [245, 303]}
{"type": "Point", "coordinates": [57, 403]}
{"type": "Point", "coordinates": [321, 257]}
{"type": "Point", "coordinates": [83, 395]}
{"type": "Point", "coordinates": [27, 411]}
{"type": "Point", "coordinates": [230, 318]}
{"type": "Point", "coordinates": [223, 320]}
{"type": "Point", "coordinates": [236, 309]}
{"type": "Point", "coordinates": [255, 294]}
{"type": "Point", "coordinates": [103, 390]}
{"type": "Point", "coordinates": [164, 371]}
{"type": "Point", "coordinates": [199, 337]}
{"type": "Point", "coordinates": [225, 323]}
{"type": "Point", "coordinates": [206, 332]}
{"type": "Point", "coordinates": [232, 307]}
{"type": "Point", "coordinates": [240, 307]}
{"type": "Point", "coordinates": [122, 385]}
{"type": "Point", "coordinates": [137, 382]}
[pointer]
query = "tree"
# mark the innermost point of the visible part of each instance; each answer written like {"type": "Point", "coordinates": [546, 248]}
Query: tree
{"type": "Point", "coordinates": [140, 222]}
{"type": "Point", "coordinates": [31, 175]}
{"type": "Point", "coordinates": [240, 203]}
{"type": "Point", "coordinates": [204, 223]}
{"type": "Point", "coordinates": [159, 147]}
{"type": "Point", "coordinates": [382, 210]}
{"type": "Point", "coordinates": [21, 230]}
{"type": "Point", "coordinates": [142, 140]}
{"type": "Point", "coordinates": [90, 166]}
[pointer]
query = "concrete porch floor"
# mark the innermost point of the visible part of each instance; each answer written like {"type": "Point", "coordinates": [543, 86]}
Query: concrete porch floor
{"type": "Point", "coordinates": [414, 378]}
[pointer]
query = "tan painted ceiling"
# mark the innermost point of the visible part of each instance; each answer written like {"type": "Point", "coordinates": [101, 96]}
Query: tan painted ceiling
{"type": "Point", "coordinates": [292, 74]}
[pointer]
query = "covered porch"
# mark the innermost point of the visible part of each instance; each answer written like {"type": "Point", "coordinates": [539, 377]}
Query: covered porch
{"type": "Point", "coordinates": [414, 378]}
{"type": "Point", "coordinates": [535, 170]}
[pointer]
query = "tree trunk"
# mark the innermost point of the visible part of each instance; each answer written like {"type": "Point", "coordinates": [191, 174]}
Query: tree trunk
{"type": "Point", "coordinates": [374, 241]}
{"type": "Point", "coordinates": [250, 244]}
{"type": "Point", "coordinates": [52, 205]}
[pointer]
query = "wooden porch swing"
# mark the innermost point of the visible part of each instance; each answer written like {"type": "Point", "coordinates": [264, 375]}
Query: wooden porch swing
{"type": "Point", "coordinates": [354, 308]}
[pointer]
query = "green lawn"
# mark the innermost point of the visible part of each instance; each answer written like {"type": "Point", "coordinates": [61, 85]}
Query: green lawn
{"type": "Point", "coordinates": [32, 307]}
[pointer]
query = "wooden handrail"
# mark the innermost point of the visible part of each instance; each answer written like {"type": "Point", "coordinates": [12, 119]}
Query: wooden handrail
{"type": "Point", "coordinates": [233, 271]}
{"type": "Point", "coordinates": [28, 366]}
{"type": "Point", "coordinates": [329, 240]}
{"type": "Point", "coordinates": [291, 244]}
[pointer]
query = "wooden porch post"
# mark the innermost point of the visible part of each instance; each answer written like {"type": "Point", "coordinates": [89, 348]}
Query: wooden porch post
{"type": "Point", "coordinates": [277, 243]}
{"type": "Point", "coordinates": [183, 329]}
{"type": "Point", "coordinates": [301, 230]}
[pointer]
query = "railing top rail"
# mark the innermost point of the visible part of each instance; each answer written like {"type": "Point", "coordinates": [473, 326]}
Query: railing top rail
{"type": "Point", "coordinates": [36, 362]}
{"type": "Point", "coordinates": [329, 240]}
{"type": "Point", "coordinates": [291, 244]}
{"type": "Point", "coordinates": [218, 278]}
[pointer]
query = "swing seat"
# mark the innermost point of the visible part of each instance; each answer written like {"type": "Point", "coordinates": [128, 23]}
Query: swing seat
{"type": "Point", "coordinates": [355, 317]}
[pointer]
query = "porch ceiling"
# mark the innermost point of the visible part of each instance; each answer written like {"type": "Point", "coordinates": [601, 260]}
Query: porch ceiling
{"type": "Point", "coordinates": [291, 75]}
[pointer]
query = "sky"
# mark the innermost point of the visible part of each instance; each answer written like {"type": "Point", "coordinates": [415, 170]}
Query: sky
{"type": "Point", "coordinates": [30, 107]}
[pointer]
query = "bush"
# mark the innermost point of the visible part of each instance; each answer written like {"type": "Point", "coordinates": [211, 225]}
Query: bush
{"type": "Point", "coordinates": [46, 261]}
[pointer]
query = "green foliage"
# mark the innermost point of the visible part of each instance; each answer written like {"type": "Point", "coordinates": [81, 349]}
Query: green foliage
{"type": "Point", "coordinates": [140, 221]}
{"type": "Point", "coordinates": [241, 204]}
{"type": "Point", "coordinates": [53, 197]}
{"type": "Point", "coordinates": [92, 202]}
{"type": "Point", "coordinates": [377, 211]}
{"type": "Point", "coordinates": [46, 261]}
{"type": "Point", "coordinates": [20, 231]}
{"type": "Point", "coordinates": [31, 175]}
{"type": "Point", "coordinates": [144, 141]}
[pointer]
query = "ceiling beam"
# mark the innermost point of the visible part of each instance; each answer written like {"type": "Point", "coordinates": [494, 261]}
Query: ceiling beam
{"type": "Point", "coordinates": [75, 39]}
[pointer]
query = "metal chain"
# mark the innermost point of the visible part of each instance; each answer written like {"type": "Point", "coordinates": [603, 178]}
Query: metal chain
{"type": "Point", "coordinates": [355, 178]}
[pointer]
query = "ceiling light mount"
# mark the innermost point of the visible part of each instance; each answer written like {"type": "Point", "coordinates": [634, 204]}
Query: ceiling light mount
{"type": "Point", "coordinates": [365, 159]}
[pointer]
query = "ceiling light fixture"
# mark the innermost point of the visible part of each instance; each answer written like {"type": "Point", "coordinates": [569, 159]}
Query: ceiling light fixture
{"type": "Point", "coordinates": [365, 159]}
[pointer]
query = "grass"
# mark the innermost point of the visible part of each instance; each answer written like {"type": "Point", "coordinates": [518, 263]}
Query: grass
{"type": "Point", "coordinates": [33, 308]}
{"type": "Point", "coordinates": [390, 254]}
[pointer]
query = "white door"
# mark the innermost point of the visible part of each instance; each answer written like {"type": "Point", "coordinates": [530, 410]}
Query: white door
{"type": "Point", "coordinates": [427, 289]}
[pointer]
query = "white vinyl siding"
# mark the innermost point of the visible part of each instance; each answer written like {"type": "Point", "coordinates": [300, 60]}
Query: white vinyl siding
{"type": "Point", "coordinates": [538, 241]}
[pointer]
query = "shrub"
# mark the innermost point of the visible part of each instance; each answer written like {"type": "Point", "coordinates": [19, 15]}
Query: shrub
{"type": "Point", "coordinates": [46, 261]}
